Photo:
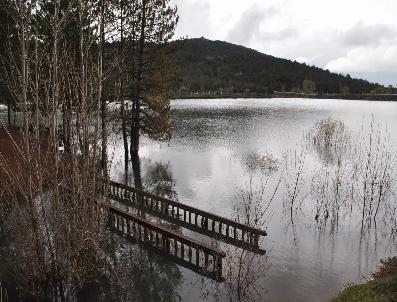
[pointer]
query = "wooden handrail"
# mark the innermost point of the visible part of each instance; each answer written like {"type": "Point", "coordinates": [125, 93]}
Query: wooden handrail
{"type": "Point", "coordinates": [169, 233]}
{"type": "Point", "coordinates": [191, 209]}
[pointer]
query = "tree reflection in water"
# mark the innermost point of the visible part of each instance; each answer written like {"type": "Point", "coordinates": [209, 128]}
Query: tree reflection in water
{"type": "Point", "coordinates": [142, 274]}
{"type": "Point", "coordinates": [145, 274]}
{"type": "Point", "coordinates": [159, 180]}
{"type": "Point", "coordinates": [139, 273]}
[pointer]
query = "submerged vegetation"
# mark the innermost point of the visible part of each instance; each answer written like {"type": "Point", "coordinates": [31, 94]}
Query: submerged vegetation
{"type": "Point", "coordinates": [265, 163]}
{"type": "Point", "coordinates": [329, 134]}
{"type": "Point", "coordinates": [246, 269]}
{"type": "Point", "coordinates": [357, 175]}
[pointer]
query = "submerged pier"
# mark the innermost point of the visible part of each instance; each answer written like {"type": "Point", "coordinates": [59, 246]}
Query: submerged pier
{"type": "Point", "coordinates": [187, 214]}
{"type": "Point", "coordinates": [204, 257]}
{"type": "Point", "coordinates": [196, 255]}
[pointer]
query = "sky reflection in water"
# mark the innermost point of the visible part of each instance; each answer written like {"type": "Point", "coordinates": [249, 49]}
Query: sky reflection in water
{"type": "Point", "coordinates": [207, 160]}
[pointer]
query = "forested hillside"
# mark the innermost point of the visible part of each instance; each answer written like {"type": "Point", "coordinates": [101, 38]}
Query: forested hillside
{"type": "Point", "coordinates": [215, 68]}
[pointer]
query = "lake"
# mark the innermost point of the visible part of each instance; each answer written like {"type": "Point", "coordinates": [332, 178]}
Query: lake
{"type": "Point", "coordinates": [311, 252]}
{"type": "Point", "coordinates": [260, 161]}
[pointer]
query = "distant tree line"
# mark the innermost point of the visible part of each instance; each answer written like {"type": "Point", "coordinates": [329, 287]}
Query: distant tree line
{"type": "Point", "coordinates": [384, 90]}
{"type": "Point", "coordinates": [220, 68]}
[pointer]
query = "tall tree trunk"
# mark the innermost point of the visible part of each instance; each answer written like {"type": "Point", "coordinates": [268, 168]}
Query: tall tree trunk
{"type": "Point", "coordinates": [123, 117]}
{"type": "Point", "coordinates": [55, 93]}
{"type": "Point", "coordinates": [24, 38]}
{"type": "Point", "coordinates": [136, 169]}
{"type": "Point", "coordinates": [100, 94]}
{"type": "Point", "coordinates": [135, 126]}
{"type": "Point", "coordinates": [84, 140]}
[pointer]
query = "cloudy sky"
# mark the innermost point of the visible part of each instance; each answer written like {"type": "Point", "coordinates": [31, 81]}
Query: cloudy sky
{"type": "Point", "coordinates": [358, 37]}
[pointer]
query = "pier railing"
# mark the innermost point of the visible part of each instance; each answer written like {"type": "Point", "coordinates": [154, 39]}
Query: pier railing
{"type": "Point", "coordinates": [199, 255]}
{"type": "Point", "coordinates": [187, 214]}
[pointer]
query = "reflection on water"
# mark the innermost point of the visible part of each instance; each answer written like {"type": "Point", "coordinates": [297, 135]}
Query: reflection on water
{"type": "Point", "coordinates": [145, 275]}
{"type": "Point", "coordinates": [250, 160]}
{"type": "Point", "coordinates": [215, 146]}
{"type": "Point", "coordinates": [138, 274]}
{"type": "Point", "coordinates": [159, 180]}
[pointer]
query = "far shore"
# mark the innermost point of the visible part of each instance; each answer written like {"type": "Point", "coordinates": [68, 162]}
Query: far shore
{"type": "Point", "coordinates": [359, 97]}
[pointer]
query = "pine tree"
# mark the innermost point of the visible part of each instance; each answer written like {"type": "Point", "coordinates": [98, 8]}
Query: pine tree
{"type": "Point", "coordinates": [152, 71]}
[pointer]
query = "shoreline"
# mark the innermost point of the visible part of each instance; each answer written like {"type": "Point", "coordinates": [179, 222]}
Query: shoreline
{"type": "Point", "coordinates": [381, 287]}
{"type": "Point", "coordinates": [287, 95]}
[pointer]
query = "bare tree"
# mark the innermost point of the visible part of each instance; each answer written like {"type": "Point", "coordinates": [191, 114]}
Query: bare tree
{"type": "Point", "coordinates": [48, 198]}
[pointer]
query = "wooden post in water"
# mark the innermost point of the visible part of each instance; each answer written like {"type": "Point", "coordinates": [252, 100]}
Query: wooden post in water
{"type": "Point", "coordinates": [168, 244]}
{"type": "Point", "coordinates": [197, 257]}
{"type": "Point", "coordinates": [219, 268]}
{"type": "Point", "coordinates": [182, 251]}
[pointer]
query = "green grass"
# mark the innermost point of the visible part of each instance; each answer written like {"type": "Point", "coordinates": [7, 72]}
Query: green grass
{"type": "Point", "coordinates": [383, 288]}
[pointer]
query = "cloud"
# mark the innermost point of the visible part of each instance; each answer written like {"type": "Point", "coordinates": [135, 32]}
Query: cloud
{"type": "Point", "coordinates": [194, 18]}
{"type": "Point", "coordinates": [279, 35]}
{"type": "Point", "coordinates": [368, 48]}
{"type": "Point", "coordinates": [373, 34]}
{"type": "Point", "coordinates": [248, 26]}
{"type": "Point", "coordinates": [366, 59]}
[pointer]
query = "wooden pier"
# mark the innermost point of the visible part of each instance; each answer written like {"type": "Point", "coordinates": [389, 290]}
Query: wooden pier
{"type": "Point", "coordinates": [187, 215]}
{"type": "Point", "coordinates": [197, 255]}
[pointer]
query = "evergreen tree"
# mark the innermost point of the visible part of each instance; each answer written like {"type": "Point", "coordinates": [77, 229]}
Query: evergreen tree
{"type": "Point", "coordinates": [151, 69]}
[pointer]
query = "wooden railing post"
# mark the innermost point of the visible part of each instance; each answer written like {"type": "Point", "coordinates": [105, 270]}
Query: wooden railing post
{"type": "Point", "coordinates": [175, 247]}
{"type": "Point", "coordinates": [219, 268]}
{"type": "Point", "coordinates": [197, 257]}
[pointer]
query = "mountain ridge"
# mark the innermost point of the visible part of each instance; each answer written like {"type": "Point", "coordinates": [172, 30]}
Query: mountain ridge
{"type": "Point", "coordinates": [217, 68]}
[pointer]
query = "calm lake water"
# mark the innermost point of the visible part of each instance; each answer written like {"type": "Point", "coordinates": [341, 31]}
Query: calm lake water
{"type": "Point", "coordinates": [207, 159]}
{"type": "Point", "coordinates": [209, 164]}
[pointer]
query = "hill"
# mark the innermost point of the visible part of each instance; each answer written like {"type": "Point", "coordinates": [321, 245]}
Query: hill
{"type": "Point", "coordinates": [216, 68]}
